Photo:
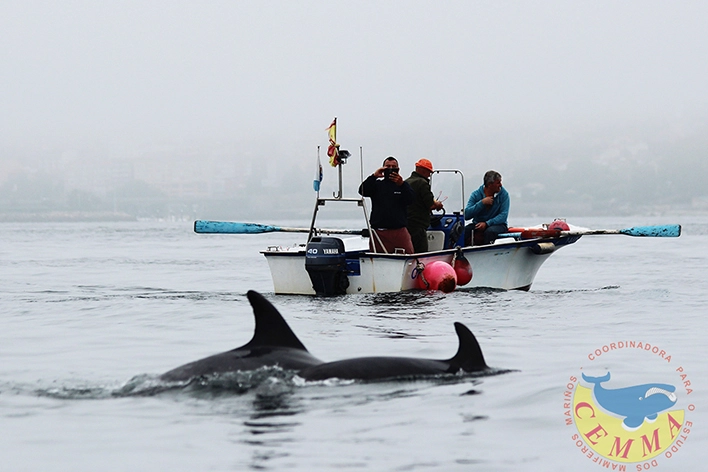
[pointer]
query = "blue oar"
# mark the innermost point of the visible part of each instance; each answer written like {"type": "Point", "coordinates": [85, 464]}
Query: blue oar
{"type": "Point", "coordinates": [661, 231]}
{"type": "Point", "coordinates": [229, 227]}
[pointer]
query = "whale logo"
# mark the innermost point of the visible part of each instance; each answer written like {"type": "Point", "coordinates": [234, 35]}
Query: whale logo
{"type": "Point", "coordinates": [636, 403]}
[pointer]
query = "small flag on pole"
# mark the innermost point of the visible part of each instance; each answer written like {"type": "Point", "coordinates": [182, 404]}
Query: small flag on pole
{"type": "Point", "coordinates": [333, 149]}
{"type": "Point", "coordinates": [318, 173]}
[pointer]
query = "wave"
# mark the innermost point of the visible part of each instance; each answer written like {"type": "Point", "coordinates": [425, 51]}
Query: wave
{"type": "Point", "coordinates": [268, 384]}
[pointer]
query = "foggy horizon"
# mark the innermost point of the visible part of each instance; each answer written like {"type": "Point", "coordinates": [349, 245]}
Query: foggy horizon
{"type": "Point", "coordinates": [208, 106]}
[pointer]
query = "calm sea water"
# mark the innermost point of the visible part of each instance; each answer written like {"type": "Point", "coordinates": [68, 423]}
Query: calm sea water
{"type": "Point", "coordinates": [92, 313]}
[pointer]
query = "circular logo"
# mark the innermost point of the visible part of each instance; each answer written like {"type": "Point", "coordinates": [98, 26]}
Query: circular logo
{"type": "Point", "coordinates": [630, 403]}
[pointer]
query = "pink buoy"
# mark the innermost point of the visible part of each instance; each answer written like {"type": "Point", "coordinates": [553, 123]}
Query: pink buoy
{"type": "Point", "coordinates": [463, 270]}
{"type": "Point", "coordinates": [439, 275]}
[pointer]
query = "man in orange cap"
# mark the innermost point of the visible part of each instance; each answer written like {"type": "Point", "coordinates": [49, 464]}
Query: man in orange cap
{"type": "Point", "coordinates": [423, 204]}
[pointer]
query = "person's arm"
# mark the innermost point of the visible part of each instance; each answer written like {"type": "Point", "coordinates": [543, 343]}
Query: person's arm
{"type": "Point", "coordinates": [502, 217]}
{"type": "Point", "coordinates": [427, 197]}
{"type": "Point", "coordinates": [474, 205]}
{"type": "Point", "coordinates": [368, 186]}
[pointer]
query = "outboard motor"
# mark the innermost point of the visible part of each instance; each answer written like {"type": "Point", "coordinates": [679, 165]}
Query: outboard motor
{"type": "Point", "coordinates": [326, 263]}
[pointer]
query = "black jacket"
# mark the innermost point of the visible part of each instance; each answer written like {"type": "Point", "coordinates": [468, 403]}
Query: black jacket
{"type": "Point", "coordinates": [389, 202]}
{"type": "Point", "coordinates": [423, 199]}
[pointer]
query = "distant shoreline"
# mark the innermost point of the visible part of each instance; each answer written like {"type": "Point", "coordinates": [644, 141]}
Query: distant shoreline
{"type": "Point", "coordinates": [65, 216]}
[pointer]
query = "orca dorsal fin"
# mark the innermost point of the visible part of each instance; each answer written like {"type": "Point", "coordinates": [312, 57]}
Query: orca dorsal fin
{"type": "Point", "coordinates": [271, 328]}
{"type": "Point", "coordinates": [469, 355]}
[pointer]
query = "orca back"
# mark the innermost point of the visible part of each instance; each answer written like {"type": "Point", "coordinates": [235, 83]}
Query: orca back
{"type": "Point", "coordinates": [469, 358]}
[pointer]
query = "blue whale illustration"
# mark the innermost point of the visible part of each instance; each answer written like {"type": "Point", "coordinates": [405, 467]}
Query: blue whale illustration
{"type": "Point", "coordinates": [635, 403]}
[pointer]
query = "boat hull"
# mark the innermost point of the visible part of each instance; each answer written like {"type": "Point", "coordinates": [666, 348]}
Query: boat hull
{"type": "Point", "coordinates": [510, 265]}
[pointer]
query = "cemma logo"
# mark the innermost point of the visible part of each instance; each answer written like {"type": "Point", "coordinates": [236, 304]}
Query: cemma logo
{"type": "Point", "coordinates": [620, 422]}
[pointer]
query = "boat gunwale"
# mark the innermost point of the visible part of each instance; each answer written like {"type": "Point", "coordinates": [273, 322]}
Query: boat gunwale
{"type": "Point", "coordinates": [558, 242]}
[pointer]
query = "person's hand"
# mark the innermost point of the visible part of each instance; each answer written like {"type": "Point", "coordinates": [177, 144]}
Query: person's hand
{"type": "Point", "coordinates": [481, 226]}
{"type": "Point", "coordinates": [379, 173]}
{"type": "Point", "coordinates": [488, 200]}
{"type": "Point", "coordinates": [437, 205]}
{"type": "Point", "coordinates": [396, 178]}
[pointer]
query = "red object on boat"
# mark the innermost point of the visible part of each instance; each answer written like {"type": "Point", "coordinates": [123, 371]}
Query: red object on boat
{"type": "Point", "coordinates": [559, 225]}
{"type": "Point", "coordinates": [463, 270]}
{"type": "Point", "coordinates": [540, 233]}
{"type": "Point", "coordinates": [438, 275]}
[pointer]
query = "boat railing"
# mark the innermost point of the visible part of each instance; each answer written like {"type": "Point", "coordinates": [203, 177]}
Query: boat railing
{"type": "Point", "coordinates": [462, 184]}
{"type": "Point", "coordinates": [338, 196]}
{"type": "Point", "coordinates": [361, 201]}
{"type": "Point", "coordinates": [322, 201]}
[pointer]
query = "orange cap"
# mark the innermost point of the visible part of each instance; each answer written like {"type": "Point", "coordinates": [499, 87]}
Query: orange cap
{"type": "Point", "coordinates": [424, 163]}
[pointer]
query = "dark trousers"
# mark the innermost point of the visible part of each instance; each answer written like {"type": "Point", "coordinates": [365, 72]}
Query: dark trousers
{"type": "Point", "coordinates": [419, 237]}
{"type": "Point", "coordinates": [477, 238]}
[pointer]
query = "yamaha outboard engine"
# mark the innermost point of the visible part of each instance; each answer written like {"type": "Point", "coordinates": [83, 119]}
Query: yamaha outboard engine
{"type": "Point", "coordinates": [326, 263]}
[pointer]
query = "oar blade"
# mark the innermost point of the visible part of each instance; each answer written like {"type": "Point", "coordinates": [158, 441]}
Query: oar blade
{"type": "Point", "coordinates": [661, 231]}
{"type": "Point", "coordinates": [230, 227]}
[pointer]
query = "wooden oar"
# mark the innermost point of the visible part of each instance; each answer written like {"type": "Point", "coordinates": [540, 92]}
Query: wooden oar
{"type": "Point", "coordinates": [230, 227]}
{"type": "Point", "coordinates": [661, 231]}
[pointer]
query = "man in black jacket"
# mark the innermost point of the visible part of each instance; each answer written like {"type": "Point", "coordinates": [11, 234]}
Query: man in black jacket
{"type": "Point", "coordinates": [390, 196]}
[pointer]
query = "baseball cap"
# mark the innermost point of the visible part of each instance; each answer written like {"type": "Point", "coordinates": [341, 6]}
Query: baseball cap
{"type": "Point", "coordinates": [424, 163]}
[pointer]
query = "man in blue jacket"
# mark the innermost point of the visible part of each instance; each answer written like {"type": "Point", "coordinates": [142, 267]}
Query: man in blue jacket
{"type": "Point", "coordinates": [488, 208]}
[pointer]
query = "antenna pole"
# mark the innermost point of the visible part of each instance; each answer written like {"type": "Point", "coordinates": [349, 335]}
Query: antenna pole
{"type": "Point", "coordinates": [361, 163]}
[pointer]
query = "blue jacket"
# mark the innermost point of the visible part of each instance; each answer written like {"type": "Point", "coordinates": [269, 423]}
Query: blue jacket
{"type": "Point", "coordinates": [497, 214]}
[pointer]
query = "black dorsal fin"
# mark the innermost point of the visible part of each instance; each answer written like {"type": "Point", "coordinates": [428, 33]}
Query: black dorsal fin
{"type": "Point", "coordinates": [271, 328]}
{"type": "Point", "coordinates": [469, 355]}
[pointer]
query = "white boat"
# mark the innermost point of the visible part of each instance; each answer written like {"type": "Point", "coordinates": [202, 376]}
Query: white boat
{"type": "Point", "coordinates": [328, 265]}
{"type": "Point", "coordinates": [508, 264]}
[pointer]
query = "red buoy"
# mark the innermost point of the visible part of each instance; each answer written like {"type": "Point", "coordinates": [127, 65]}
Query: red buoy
{"type": "Point", "coordinates": [559, 225]}
{"type": "Point", "coordinates": [438, 275]}
{"type": "Point", "coordinates": [463, 270]}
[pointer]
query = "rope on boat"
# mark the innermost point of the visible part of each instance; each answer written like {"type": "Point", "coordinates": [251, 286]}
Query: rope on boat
{"type": "Point", "coordinates": [458, 255]}
{"type": "Point", "coordinates": [418, 272]}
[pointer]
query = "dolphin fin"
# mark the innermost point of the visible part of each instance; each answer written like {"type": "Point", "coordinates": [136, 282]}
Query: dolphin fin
{"type": "Point", "coordinates": [469, 355]}
{"type": "Point", "coordinates": [271, 328]}
{"type": "Point", "coordinates": [596, 380]}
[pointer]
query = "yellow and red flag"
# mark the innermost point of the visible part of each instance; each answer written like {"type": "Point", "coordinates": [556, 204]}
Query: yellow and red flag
{"type": "Point", "coordinates": [333, 149]}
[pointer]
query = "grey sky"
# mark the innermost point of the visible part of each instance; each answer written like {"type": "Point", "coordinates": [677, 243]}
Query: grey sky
{"type": "Point", "coordinates": [412, 77]}
{"type": "Point", "coordinates": [165, 70]}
